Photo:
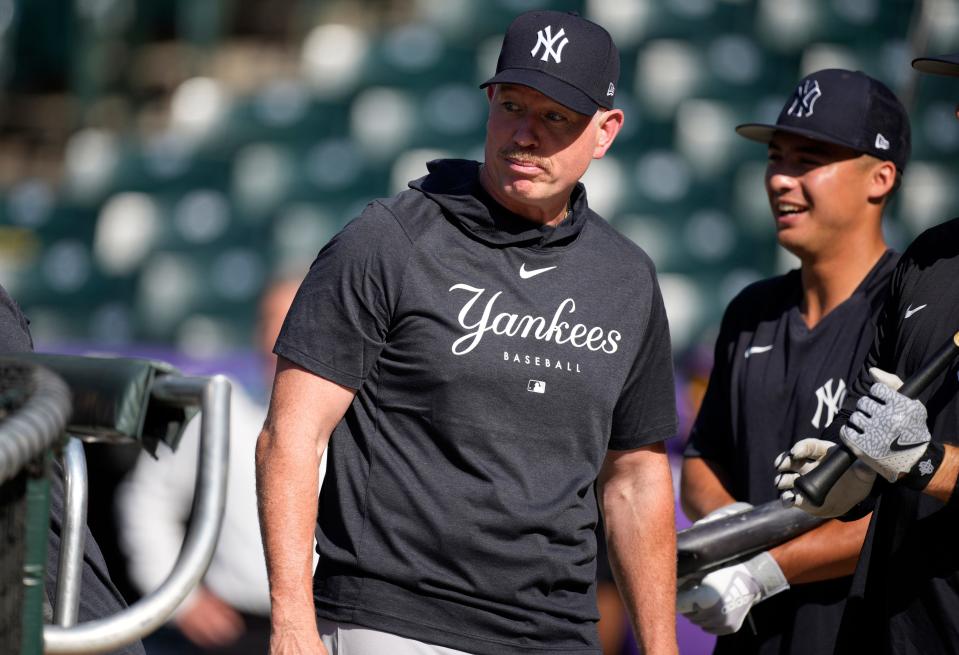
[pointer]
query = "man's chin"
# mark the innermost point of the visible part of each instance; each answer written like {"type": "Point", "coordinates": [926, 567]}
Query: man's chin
{"type": "Point", "coordinates": [523, 190]}
{"type": "Point", "coordinates": [792, 244]}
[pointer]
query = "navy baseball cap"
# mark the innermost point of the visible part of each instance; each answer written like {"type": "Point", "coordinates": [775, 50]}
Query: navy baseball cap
{"type": "Point", "coordinates": [847, 108]}
{"type": "Point", "coordinates": [939, 65]}
{"type": "Point", "coordinates": [563, 56]}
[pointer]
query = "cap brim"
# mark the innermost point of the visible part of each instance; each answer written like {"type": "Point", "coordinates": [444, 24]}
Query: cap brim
{"type": "Point", "coordinates": [941, 65]}
{"type": "Point", "coordinates": [556, 89]}
{"type": "Point", "coordinates": [764, 134]}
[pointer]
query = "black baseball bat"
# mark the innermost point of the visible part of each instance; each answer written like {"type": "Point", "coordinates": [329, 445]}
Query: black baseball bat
{"type": "Point", "coordinates": [703, 547]}
{"type": "Point", "coordinates": [816, 484]}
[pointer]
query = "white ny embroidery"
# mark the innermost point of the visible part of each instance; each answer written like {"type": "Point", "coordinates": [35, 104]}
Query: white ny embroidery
{"type": "Point", "coordinates": [805, 99]}
{"type": "Point", "coordinates": [547, 40]}
{"type": "Point", "coordinates": [830, 401]}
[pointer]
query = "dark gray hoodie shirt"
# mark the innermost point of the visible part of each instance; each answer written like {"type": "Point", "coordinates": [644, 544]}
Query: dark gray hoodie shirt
{"type": "Point", "coordinates": [496, 362]}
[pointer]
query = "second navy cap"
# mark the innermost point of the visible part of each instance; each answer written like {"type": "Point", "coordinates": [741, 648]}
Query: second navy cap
{"type": "Point", "coordinates": [847, 108]}
{"type": "Point", "coordinates": [938, 65]}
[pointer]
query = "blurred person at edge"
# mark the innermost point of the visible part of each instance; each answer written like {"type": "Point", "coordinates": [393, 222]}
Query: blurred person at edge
{"type": "Point", "coordinates": [905, 591]}
{"type": "Point", "coordinates": [468, 411]}
{"type": "Point", "coordinates": [228, 612]}
{"type": "Point", "coordinates": [787, 348]}
{"type": "Point", "coordinates": [99, 598]}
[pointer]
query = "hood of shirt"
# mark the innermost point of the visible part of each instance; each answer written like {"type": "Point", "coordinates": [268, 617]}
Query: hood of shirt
{"type": "Point", "coordinates": [454, 185]}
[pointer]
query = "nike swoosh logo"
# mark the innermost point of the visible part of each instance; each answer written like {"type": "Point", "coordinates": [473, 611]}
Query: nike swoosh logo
{"type": "Point", "coordinates": [910, 311]}
{"type": "Point", "coordinates": [895, 445]}
{"type": "Point", "coordinates": [523, 273]}
{"type": "Point", "coordinates": [757, 350]}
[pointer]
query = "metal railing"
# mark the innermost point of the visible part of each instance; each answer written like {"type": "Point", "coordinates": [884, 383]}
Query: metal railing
{"type": "Point", "coordinates": [150, 612]}
{"type": "Point", "coordinates": [67, 605]}
{"type": "Point", "coordinates": [35, 405]}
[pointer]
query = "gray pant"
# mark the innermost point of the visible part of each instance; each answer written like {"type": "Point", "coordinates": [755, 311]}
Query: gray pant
{"type": "Point", "coordinates": [350, 639]}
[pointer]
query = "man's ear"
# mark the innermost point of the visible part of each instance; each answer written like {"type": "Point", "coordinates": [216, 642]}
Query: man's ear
{"type": "Point", "coordinates": [610, 123]}
{"type": "Point", "coordinates": [490, 90]}
{"type": "Point", "coordinates": [882, 180]}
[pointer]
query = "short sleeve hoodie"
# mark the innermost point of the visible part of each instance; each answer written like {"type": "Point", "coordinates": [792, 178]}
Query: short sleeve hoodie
{"type": "Point", "coordinates": [495, 361]}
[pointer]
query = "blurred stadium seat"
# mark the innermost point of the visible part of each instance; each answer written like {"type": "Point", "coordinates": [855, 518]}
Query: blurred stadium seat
{"type": "Point", "coordinates": [206, 149]}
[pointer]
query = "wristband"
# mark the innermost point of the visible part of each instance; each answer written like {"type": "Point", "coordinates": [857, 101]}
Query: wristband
{"type": "Point", "coordinates": [923, 471]}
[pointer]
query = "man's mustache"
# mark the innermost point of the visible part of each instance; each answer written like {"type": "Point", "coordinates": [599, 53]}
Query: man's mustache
{"type": "Point", "coordinates": [525, 158]}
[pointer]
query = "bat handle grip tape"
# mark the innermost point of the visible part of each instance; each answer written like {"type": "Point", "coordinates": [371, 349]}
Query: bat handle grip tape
{"type": "Point", "coordinates": [816, 484]}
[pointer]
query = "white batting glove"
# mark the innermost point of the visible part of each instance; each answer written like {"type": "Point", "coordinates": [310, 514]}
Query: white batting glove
{"type": "Point", "coordinates": [719, 602]}
{"type": "Point", "coordinates": [805, 455]}
{"type": "Point", "coordinates": [888, 431]}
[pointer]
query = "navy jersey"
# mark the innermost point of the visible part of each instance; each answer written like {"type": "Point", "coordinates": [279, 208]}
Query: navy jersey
{"type": "Point", "coordinates": [774, 382]}
{"type": "Point", "coordinates": [905, 594]}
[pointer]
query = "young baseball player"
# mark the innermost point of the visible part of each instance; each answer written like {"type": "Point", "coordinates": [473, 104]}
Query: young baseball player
{"type": "Point", "coordinates": [905, 592]}
{"type": "Point", "coordinates": [787, 349]}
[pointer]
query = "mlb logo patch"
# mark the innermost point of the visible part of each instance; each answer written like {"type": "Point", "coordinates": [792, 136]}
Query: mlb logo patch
{"type": "Point", "coordinates": [536, 386]}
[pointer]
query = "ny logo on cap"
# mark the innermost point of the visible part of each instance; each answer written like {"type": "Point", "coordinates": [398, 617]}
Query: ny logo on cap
{"type": "Point", "coordinates": [547, 40]}
{"type": "Point", "coordinates": [807, 94]}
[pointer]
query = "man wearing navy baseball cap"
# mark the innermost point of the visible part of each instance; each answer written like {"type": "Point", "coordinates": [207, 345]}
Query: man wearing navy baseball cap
{"type": "Point", "coordinates": [489, 363]}
{"type": "Point", "coordinates": [905, 592]}
{"type": "Point", "coordinates": [787, 349]}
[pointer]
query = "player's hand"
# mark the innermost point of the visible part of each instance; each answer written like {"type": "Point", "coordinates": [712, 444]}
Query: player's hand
{"type": "Point", "coordinates": [888, 431]}
{"type": "Point", "coordinates": [805, 455]}
{"type": "Point", "coordinates": [719, 602]}
{"type": "Point", "coordinates": [208, 621]}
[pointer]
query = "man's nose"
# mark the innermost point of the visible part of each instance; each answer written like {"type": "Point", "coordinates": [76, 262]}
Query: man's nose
{"type": "Point", "coordinates": [526, 133]}
{"type": "Point", "coordinates": [779, 179]}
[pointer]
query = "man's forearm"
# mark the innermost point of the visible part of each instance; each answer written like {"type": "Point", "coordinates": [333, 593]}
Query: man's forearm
{"type": "Point", "coordinates": [286, 496]}
{"type": "Point", "coordinates": [702, 488]}
{"type": "Point", "coordinates": [641, 535]}
{"type": "Point", "coordinates": [304, 410]}
{"type": "Point", "coordinates": [827, 552]}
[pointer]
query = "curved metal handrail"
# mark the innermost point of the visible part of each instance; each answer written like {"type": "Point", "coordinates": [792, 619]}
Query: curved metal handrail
{"type": "Point", "coordinates": [67, 605]}
{"type": "Point", "coordinates": [151, 611]}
